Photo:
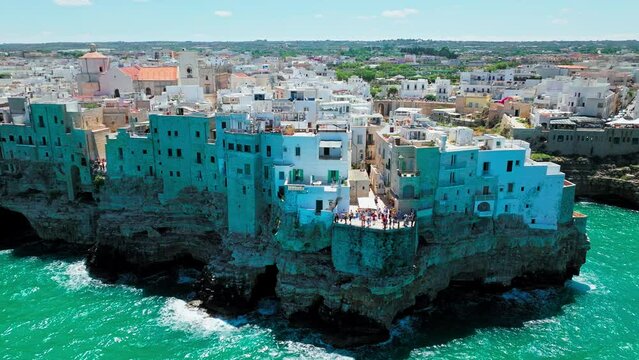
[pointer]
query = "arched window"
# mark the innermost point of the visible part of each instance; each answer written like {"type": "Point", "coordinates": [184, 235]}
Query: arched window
{"type": "Point", "coordinates": [483, 207]}
{"type": "Point", "coordinates": [148, 91]}
{"type": "Point", "coordinates": [116, 93]}
{"type": "Point", "coordinates": [189, 72]}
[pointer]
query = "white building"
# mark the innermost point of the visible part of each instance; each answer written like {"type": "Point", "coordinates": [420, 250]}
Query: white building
{"type": "Point", "coordinates": [188, 68]}
{"type": "Point", "coordinates": [413, 89]}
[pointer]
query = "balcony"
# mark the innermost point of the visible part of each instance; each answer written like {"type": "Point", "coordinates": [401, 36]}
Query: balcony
{"type": "Point", "coordinates": [330, 157]}
{"type": "Point", "coordinates": [448, 184]}
{"type": "Point", "coordinates": [485, 197]}
{"type": "Point", "coordinates": [408, 173]}
{"type": "Point", "coordinates": [456, 166]}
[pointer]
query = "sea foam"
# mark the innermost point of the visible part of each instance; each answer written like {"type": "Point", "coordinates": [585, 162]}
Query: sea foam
{"type": "Point", "coordinates": [178, 315]}
{"type": "Point", "coordinates": [72, 276]}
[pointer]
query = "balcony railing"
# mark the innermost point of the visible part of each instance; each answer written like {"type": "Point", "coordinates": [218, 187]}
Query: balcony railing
{"type": "Point", "coordinates": [485, 197]}
{"type": "Point", "coordinates": [456, 166]}
{"type": "Point", "coordinates": [330, 157]}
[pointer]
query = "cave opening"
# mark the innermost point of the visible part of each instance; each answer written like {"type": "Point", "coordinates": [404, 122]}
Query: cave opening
{"type": "Point", "coordinates": [16, 229]}
{"type": "Point", "coordinates": [265, 284]}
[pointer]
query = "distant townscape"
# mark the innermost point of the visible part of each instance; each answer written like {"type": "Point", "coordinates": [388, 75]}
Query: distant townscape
{"type": "Point", "coordinates": [319, 136]}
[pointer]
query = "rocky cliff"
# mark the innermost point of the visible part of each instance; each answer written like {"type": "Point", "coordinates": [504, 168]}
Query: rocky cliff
{"type": "Point", "coordinates": [353, 283]}
{"type": "Point", "coordinates": [613, 179]}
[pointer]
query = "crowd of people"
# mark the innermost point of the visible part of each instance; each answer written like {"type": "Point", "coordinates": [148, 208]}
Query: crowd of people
{"type": "Point", "coordinates": [382, 217]}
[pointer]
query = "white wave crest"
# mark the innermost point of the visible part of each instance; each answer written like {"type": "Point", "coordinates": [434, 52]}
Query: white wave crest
{"type": "Point", "coordinates": [178, 315]}
{"type": "Point", "coordinates": [72, 276]}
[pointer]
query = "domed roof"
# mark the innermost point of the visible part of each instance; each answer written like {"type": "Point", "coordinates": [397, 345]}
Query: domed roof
{"type": "Point", "coordinates": [93, 55]}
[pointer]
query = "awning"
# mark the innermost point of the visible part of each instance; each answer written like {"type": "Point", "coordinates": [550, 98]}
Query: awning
{"type": "Point", "coordinates": [366, 203]}
{"type": "Point", "coordinates": [330, 144]}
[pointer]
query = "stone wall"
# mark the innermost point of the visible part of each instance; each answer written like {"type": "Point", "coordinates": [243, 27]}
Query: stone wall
{"type": "Point", "coordinates": [385, 107]}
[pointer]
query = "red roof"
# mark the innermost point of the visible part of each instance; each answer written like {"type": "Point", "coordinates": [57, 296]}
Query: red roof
{"type": "Point", "coordinates": [93, 55]}
{"type": "Point", "coordinates": [161, 73]}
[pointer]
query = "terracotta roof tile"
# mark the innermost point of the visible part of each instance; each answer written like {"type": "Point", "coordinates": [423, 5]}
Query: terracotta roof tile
{"type": "Point", "coordinates": [161, 73]}
{"type": "Point", "coordinates": [93, 55]}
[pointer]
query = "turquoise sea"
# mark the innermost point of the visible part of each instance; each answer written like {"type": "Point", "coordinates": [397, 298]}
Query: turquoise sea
{"type": "Point", "coordinates": [51, 308]}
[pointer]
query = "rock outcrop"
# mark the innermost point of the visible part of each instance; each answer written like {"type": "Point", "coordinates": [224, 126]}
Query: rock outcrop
{"type": "Point", "coordinates": [613, 180]}
{"type": "Point", "coordinates": [353, 283]}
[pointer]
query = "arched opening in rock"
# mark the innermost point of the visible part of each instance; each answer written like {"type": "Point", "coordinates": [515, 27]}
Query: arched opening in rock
{"type": "Point", "coordinates": [265, 284]}
{"type": "Point", "coordinates": [16, 229]}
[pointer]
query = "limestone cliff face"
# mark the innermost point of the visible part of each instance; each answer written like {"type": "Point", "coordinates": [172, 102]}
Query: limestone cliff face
{"type": "Point", "coordinates": [344, 277]}
{"type": "Point", "coordinates": [614, 179]}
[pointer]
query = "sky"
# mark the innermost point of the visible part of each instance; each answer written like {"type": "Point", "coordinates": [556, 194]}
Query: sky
{"type": "Point", "coordinates": [36, 21]}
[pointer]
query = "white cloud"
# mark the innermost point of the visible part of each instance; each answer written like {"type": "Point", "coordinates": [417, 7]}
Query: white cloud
{"type": "Point", "coordinates": [401, 13]}
{"type": "Point", "coordinates": [73, 2]}
{"type": "Point", "coordinates": [223, 13]}
{"type": "Point", "coordinates": [559, 21]}
{"type": "Point", "coordinates": [319, 16]}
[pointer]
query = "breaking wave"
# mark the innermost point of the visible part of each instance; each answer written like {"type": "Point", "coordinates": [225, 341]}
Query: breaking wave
{"type": "Point", "coordinates": [178, 315]}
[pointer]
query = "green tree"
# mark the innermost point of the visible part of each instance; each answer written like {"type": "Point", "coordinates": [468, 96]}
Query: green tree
{"type": "Point", "coordinates": [431, 97]}
{"type": "Point", "coordinates": [392, 91]}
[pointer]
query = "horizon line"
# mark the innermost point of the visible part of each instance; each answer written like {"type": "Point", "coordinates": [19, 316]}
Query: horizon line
{"type": "Point", "coordinates": [316, 40]}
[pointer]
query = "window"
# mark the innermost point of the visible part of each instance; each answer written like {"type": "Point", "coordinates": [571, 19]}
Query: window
{"type": "Point", "coordinates": [538, 188]}
{"type": "Point", "coordinates": [522, 189]}
{"type": "Point", "coordinates": [223, 125]}
{"type": "Point", "coordinates": [199, 158]}
{"type": "Point", "coordinates": [40, 121]}
{"type": "Point", "coordinates": [138, 167]}
{"type": "Point", "coordinates": [486, 190]}
{"type": "Point", "coordinates": [298, 151]}
{"type": "Point", "coordinates": [452, 177]}
{"type": "Point", "coordinates": [177, 174]}
{"type": "Point", "coordinates": [266, 172]}
{"type": "Point", "coordinates": [268, 150]}
{"type": "Point", "coordinates": [281, 175]}
{"type": "Point", "coordinates": [175, 133]}
{"type": "Point", "coordinates": [511, 187]}
{"type": "Point", "coordinates": [247, 169]}
{"type": "Point", "coordinates": [44, 140]}
{"type": "Point", "coordinates": [359, 139]}
{"type": "Point", "coordinates": [178, 152]}
{"type": "Point", "coordinates": [333, 175]}
{"type": "Point", "coordinates": [509, 166]}
{"type": "Point", "coordinates": [170, 173]}
{"type": "Point", "coordinates": [506, 208]}
{"type": "Point", "coordinates": [231, 146]}
{"type": "Point", "coordinates": [197, 134]}
{"type": "Point", "coordinates": [247, 148]}
{"type": "Point", "coordinates": [55, 119]}
{"type": "Point", "coordinates": [257, 149]}
{"type": "Point", "coordinates": [169, 133]}
{"type": "Point", "coordinates": [11, 138]}
{"type": "Point", "coordinates": [212, 159]}
{"type": "Point", "coordinates": [486, 167]}
{"type": "Point", "coordinates": [517, 163]}
{"type": "Point", "coordinates": [170, 153]}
